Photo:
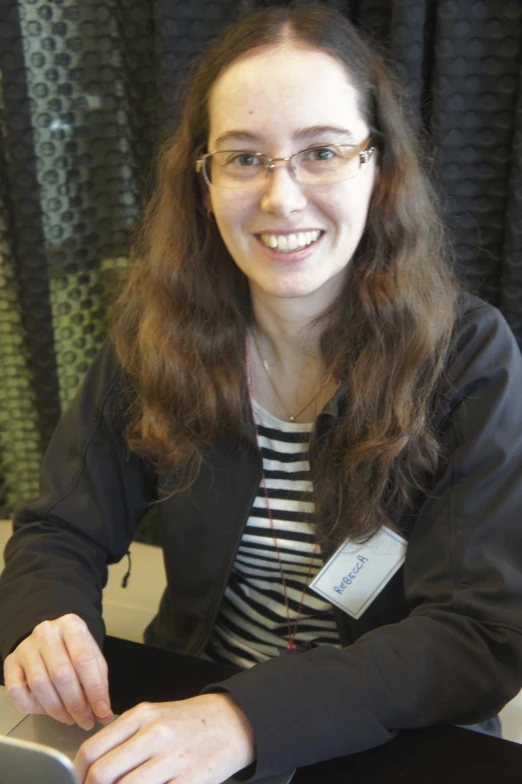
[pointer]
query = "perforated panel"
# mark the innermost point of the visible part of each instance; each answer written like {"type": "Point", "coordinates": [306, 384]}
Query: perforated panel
{"type": "Point", "coordinates": [19, 434]}
{"type": "Point", "coordinates": [511, 273]}
{"type": "Point", "coordinates": [80, 124]}
{"type": "Point", "coordinates": [476, 81]}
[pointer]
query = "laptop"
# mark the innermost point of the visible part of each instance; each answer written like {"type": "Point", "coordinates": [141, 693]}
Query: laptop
{"type": "Point", "coordinates": [40, 750]}
{"type": "Point", "coordinates": [22, 762]}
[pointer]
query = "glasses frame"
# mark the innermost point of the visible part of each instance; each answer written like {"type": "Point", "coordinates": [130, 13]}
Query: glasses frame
{"type": "Point", "coordinates": [269, 163]}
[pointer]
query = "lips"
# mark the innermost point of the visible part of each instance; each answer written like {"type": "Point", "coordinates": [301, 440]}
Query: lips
{"type": "Point", "coordinates": [289, 241]}
{"type": "Point", "coordinates": [281, 250]}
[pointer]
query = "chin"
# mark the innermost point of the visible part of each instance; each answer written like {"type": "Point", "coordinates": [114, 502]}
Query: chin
{"type": "Point", "coordinates": [292, 292]}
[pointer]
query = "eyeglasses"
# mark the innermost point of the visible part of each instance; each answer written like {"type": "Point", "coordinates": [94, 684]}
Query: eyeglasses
{"type": "Point", "coordinates": [322, 165]}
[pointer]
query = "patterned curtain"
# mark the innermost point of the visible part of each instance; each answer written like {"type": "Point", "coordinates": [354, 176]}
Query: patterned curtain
{"type": "Point", "coordinates": [87, 90]}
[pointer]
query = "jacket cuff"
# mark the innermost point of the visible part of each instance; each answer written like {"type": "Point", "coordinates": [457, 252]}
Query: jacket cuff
{"type": "Point", "coordinates": [294, 725]}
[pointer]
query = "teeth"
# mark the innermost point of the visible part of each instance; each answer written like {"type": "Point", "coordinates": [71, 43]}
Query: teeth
{"type": "Point", "coordinates": [289, 242]}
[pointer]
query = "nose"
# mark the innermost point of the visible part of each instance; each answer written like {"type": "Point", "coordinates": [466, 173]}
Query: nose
{"type": "Point", "coordinates": [282, 194]}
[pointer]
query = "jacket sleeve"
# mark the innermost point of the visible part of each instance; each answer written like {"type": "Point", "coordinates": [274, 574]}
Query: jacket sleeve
{"type": "Point", "coordinates": [457, 656]}
{"type": "Point", "coordinates": [92, 493]}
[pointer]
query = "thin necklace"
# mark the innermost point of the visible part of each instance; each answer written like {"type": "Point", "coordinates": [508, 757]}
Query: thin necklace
{"type": "Point", "coordinates": [291, 417]}
{"type": "Point", "coordinates": [291, 646]}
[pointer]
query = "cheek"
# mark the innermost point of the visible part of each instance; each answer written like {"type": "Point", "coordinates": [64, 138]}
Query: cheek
{"type": "Point", "coordinates": [228, 209]}
{"type": "Point", "coordinates": [230, 220]}
{"type": "Point", "coordinates": [343, 211]}
{"type": "Point", "coordinates": [354, 207]}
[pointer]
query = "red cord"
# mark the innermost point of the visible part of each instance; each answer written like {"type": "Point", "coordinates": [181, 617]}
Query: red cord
{"type": "Point", "coordinates": [291, 647]}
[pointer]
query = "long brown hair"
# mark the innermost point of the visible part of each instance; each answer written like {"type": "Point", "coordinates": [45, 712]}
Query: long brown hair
{"type": "Point", "coordinates": [179, 326]}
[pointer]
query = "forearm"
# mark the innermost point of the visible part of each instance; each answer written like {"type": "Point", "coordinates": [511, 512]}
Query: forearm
{"type": "Point", "coordinates": [49, 574]}
{"type": "Point", "coordinates": [331, 702]}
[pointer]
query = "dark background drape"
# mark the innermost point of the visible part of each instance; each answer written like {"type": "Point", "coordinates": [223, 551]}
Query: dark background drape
{"type": "Point", "coordinates": [88, 88]}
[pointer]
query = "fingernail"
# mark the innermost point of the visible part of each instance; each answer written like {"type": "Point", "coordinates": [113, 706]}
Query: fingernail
{"type": "Point", "coordinates": [101, 708]}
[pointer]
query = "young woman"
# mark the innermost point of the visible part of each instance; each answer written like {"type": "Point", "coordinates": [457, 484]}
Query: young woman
{"type": "Point", "coordinates": [291, 367]}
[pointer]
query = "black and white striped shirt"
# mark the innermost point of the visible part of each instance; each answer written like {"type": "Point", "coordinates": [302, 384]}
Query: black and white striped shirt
{"type": "Point", "coordinates": [252, 624]}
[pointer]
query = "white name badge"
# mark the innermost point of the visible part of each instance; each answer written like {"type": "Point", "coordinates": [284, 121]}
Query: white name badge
{"type": "Point", "coordinates": [356, 574]}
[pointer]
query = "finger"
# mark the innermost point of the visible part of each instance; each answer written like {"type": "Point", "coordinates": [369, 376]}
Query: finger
{"type": "Point", "coordinates": [91, 669]}
{"type": "Point", "coordinates": [39, 682]}
{"type": "Point", "coordinates": [67, 684]}
{"type": "Point", "coordinates": [157, 770]}
{"type": "Point", "coordinates": [103, 743]}
{"type": "Point", "coordinates": [62, 676]}
{"type": "Point", "coordinates": [119, 762]}
{"type": "Point", "coordinates": [17, 689]}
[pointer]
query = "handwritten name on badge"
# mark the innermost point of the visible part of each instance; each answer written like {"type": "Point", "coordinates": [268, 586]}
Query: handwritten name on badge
{"type": "Point", "coordinates": [356, 574]}
{"type": "Point", "coordinates": [350, 577]}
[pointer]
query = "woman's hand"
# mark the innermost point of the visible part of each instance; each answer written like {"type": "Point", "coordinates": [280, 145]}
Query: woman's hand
{"type": "Point", "coordinates": [59, 670]}
{"type": "Point", "coordinates": [203, 740]}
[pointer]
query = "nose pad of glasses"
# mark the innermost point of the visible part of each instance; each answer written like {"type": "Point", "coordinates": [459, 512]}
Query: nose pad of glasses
{"type": "Point", "coordinates": [271, 166]}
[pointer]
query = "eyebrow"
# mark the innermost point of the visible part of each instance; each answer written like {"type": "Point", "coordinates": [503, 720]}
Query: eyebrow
{"type": "Point", "coordinates": [302, 133]}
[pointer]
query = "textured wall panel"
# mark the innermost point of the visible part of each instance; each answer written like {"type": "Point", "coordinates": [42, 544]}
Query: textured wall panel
{"type": "Point", "coordinates": [20, 442]}
{"type": "Point", "coordinates": [85, 169]}
{"type": "Point", "coordinates": [185, 29]}
{"type": "Point", "coordinates": [24, 219]}
{"type": "Point", "coordinates": [511, 274]}
{"type": "Point", "coordinates": [477, 61]}
{"type": "Point", "coordinates": [80, 127]}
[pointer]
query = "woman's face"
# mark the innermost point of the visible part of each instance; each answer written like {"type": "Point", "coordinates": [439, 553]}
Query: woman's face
{"type": "Point", "coordinates": [280, 100]}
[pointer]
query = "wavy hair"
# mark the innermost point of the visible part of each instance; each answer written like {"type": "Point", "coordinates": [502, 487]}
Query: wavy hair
{"type": "Point", "coordinates": [180, 323]}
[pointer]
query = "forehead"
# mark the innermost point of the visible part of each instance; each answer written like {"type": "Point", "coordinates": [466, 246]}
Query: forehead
{"type": "Point", "coordinates": [277, 90]}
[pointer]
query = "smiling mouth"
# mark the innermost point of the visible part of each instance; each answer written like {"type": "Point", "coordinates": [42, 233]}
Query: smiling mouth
{"type": "Point", "coordinates": [286, 243]}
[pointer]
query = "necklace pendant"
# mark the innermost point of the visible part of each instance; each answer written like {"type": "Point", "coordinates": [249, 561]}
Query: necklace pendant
{"type": "Point", "coordinates": [292, 419]}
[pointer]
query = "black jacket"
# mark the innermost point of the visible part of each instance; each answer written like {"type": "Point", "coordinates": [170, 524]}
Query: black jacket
{"type": "Point", "coordinates": [441, 643]}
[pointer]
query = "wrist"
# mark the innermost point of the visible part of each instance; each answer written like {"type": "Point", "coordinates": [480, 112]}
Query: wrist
{"type": "Point", "coordinates": [241, 724]}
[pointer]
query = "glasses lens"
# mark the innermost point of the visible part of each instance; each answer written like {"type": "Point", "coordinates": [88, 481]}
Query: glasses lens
{"type": "Point", "coordinates": [324, 165]}
{"type": "Point", "coordinates": [234, 169]}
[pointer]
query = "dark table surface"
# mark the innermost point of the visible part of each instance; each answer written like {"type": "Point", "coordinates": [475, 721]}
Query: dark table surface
{"type": "Point", "coordinates": [441, 755]}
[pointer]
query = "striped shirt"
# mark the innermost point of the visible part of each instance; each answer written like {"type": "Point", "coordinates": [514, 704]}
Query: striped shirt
{"type": "Point", "coordinates": [252, 624]}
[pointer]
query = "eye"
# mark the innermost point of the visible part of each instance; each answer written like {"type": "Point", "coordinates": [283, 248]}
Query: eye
{"type": "Point", "coordinates": [320, 154]}
{"type": "Point", "coordinates": [243, 160]}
